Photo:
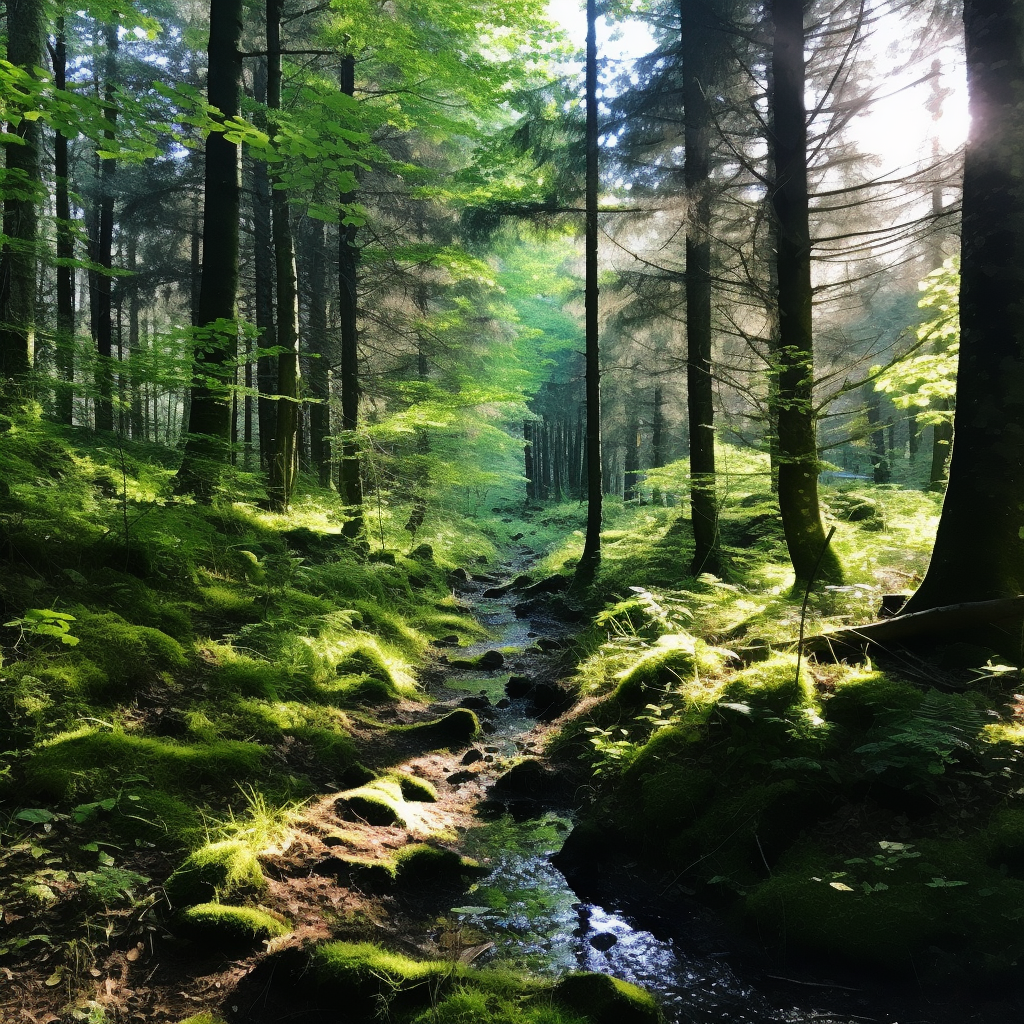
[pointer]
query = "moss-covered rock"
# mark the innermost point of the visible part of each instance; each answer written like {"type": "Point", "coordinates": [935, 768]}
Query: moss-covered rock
{"type": "Point", "coordinates": [127, 654]}
{"type": "Point", "coordinates": [214, 872]}
{"type": "Point", "coordinates": [214, 923]}
{"type": "Point", "coordinates": [414, 788]}
{"type": "Point", "coordinates": [380, 802]}
{"type": "Point", "coordinates": [422, 866]}
{"type": "Point", "coordinates": [607, 1000]}
{"type": "Point", "coordinates": [359, 972]}
{"type": "Point", "coordinates": [770, 687]}
{"type": "Point", "coordinates": [675, 659]}
{"type": "Point", "coordinates": [453, 730]}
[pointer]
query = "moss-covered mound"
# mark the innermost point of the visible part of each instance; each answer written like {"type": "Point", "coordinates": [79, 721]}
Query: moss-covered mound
{"type": "Point", "coordinates": [422, 866]}
{"type": "Point", "coordinates": [214, 872]}
{"type": "Point", "coordinates": [380, 802]}
{"type": "Point", "coordinates": [607, 1000]}
{"type": "Point", "coordinates": [219, 923]}
{"type": "Point", "coordinates": [456, 729]}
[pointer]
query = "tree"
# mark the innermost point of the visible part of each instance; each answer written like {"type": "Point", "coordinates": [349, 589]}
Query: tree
{"type": "Point", "coordinates": [979, 546]}
{"type": "Point", "coordinates": [216, 348]}
{"type": "Point", "coordinates": [798, 448]}
{"type": "Point", "coordinates": [592, 540]}
{"type": "Point", "coordinates": [21, 186]}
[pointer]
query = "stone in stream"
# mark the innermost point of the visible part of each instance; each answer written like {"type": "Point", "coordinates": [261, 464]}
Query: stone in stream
{"type": "Point", "coordinates": [446, 641]}
{"type": "Point", "coordinates": [475, 703]}
{"type": "Point", "coordinates": [458, 576]}
{"type": "Point", "coordinates": [518, 686]}
{"type": "Point", "coordinates": [460, 778]}
{"type": "Point", "coordinates": [604, 940]}
{"type": "Point", "coordinates": [492, 659]}
{"type": "Point", "coordinates": [548, 643]}
{"type": "Point", "coordinates": [472, 755]}
{"type": "Point", "coordinates": [607, 1000]}
{"type": "Point", "coordinates": [532, 782]}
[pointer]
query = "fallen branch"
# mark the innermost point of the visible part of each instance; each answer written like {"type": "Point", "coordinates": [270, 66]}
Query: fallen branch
{"type": "Point", "coordinates": [946, 619]}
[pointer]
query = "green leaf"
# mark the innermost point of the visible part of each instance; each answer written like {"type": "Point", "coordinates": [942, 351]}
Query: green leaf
{"type": "Point", "coordinates": [35, 815]}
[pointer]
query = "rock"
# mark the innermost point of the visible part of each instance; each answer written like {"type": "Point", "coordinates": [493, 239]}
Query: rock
{"type": "Point", "coordinates": [424, 553]}
{"type": "Point", "coordinates": [458, 576]}
{"type": "Point", "coordinates": [518, 686]}
{"type": "Point", "coordinates": [218, 925]}
{"type": "Point", "coordinates": [607, 1000]}
{"type": "Point", "coordinates": [603, 940]}
{"type": "Point", "coordinates": [475, 703]}
{"type": "Point", "coordinates": [453, 730]}
{"type": "Point", "coordinates": [387, 557]}
{"type": "Point", "coordinates": [446, 641]}
{"type": "Point", "coordinates": [472, 755]}
{"type": "Point", "coordinates": [548, 585]}
{"type": "Point", "coordinates": [491, 659]}
{"type": "Point", "coordinates": [547, 644]}
{"type": "Point", "coordinates": [503, 703]}
{"type": "Point", "coordinates": [516, 536]}
{"type": "Point", "coordinates": [531, 781]}
{"type": "Point", "coordinates": [461, 778]}
{"type": "Point", "coordinates": [483, 577]}
{"type": "Point", "coordinates": [213, 872]}
{"type": "Point", "coordinates": [428, 867]}
{"type": "Point", "coordinates": [488, 727]}
{"type": "Point", "coordinates": [548, 701]}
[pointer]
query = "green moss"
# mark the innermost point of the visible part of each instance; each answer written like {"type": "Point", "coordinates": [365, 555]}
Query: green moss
{"type": "Point", "coordinates": [240, 674]}
{"type": "Point", "coordinates": [468, 1005]}
{"type": "Point", "coordinates": [354, 691]}
{"type": "Point", "coordinates": [218, 922]}
{"type": "Point", "coordinates": [378, 803]}
{"type": "Point", "coordinates": [453, 730]}
{"type": "Point", "coordinates": [425, 866]}
{"type": "Point", "coordinates": [414, 788]}
{"type": "Point", "coordinates": [674, 798]}
{"type": "Point", "coordinates": [214, 872]}
{"type": "Point", "coordinates": [126, 654]}
{"type": "Point", "coordinates": [607, 1000]}
{"type": "Point", "coordinates": [676, 659]}
{"type": "Point", "coordinates": [771, 686]}
{"type": "Point", "coordinates": [362, 971]}
{"type": "Point", "coordinates": [203, 1018]}
{"type": "Point", "coordinates": [859, 702]}
{"type": "Point", "coordinates": [88, 760]}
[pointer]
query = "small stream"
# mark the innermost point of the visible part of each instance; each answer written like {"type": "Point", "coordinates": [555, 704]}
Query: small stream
{"type": "Point", "coordinates": [527, 909]}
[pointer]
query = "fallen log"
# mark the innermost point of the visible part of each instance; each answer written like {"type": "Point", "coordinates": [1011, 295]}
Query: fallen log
{"type": "Point", "coordinates": [949, 618]}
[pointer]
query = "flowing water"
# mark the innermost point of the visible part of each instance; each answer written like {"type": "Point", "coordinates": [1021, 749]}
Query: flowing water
{"type": "Point", "coordinates": [527, 909]}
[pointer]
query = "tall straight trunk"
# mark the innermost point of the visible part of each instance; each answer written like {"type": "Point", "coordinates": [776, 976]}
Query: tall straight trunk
{"type": "Point", "coordinates": [216, 353]}
{"type": "Point", "coordinates": [942, 441]}
{"type": "Point", "coordinates": [592, 541]}
{"type": "Point", "coordinates": [913, 437]}
{"type": "Point", "coordinates": [698, 57]}
{"type": "Point", "coordinates": [65, 340]}
{"type": "Point", "coordinates": [556, 459]}
{"type": "Point", "coordinates": [879, 460]}
{"type": "Point", "coordinates": [531, 489]}
{"type": "Point", "coordinates": [104, 249]}
{"type": "Point", "coordinates": [18, 257]}
{"type": "Point", "coordinates": [798, 450]}
{"type": "Point", "coordinates": [319, 346]}
{"type": "Point", "coordinates": [284, 462]}
{"type": "Point", "coordinates": [348, 298]}
{"type": "Point", "coordinates": [134, 343]}
{"type": "Point", "coordinates": [979, 545]}
{"type": "Point", "coordinates": [631, 470]}
{"type": "Point", "coordinates": [263, 257]}
{"type": "Point", "coordinates": [657, 439]}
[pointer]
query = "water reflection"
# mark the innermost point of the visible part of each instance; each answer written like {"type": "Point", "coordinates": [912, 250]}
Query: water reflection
{"type": "Point", "coordinates": [537, 923]}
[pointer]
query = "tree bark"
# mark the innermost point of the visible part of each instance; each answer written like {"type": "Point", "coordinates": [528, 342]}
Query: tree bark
{"type": "Point", "coordinates": [263, 255]}
{"type": "Point", "coordinates": [942, 442]}
{"type": "Point", "coordinates": [65, 341]}
{"type": "Point", "coordinates": [798, 451]}
{"type": "Point", "coordinates": [879, 460]}
{"type": "Point", "coordinates": [348, 298]}
{"type": "Point", "coordinates": [531, 490]}
{"type": "Point", "coordinates": [216, 353]}
{"type": "Point", "coordinates": [104, 249]}
{"type": "Point", "coordinates": [319, 346]}
{"type": "Point", "coordinates": [592, 541]}
{"type": "Point", "coordinates": [698, 58]}
{"type": "Point", "coordinates": [18, 257]}
{"type": "Point", "coordinates": [979, 546]}
{"type": "Point", "coordinates": [284, 462]}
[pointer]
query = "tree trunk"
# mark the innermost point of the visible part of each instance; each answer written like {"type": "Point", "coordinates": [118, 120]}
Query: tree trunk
{"type": "Point", "coordinates": [284, 463]}
{"type": "Point", "coordinates": [942, 440]}
{"type": "Point", "coordinates": [263, 255]}
{"type": "Point", "coordinates": [632, 466]}
{"type": "Point", "coordinates": [348, 289]}
{"type": "Point", "coordinates": [592, 541]}
{"type": "Point", "coordinates": [698, 57]}
{"type": "Point", "coordinates": [104, 250]}
{"type": "Point", "coordinates": [531, 490]}
{"type": "Point", "coordinates": [879, 461]}
{"type": "Point", "coordinates": [798, 452]}
{"type": "Point", "coordinates": [979, 546]}
{"type": "Point", "coordinates": [216, 353]}
{"type": "Point", "coordinates": [319, 345]}
{"type": "Point", "coordinates": [18, 257]}
{"type": "Point", "coordinates": [134, 349]}
{"type": "Point", "coordinates": [65, 341]}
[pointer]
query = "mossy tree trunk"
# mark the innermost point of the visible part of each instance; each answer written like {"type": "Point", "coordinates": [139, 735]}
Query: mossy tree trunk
{"type": "Point", "coordinates": [798, 450]}
{"type": "Point", "coordinates": [699, 42]}
{"type": "Point", "coordinates": [18, 257]}
{"type": "Point", "coordinates": [979, 546]}
{"type": "Point", "coordinates": [595, 491]}
{"type": "Point", "coordinates": [65, 340]}
{"type": "Point", "coordinates": [216, 350]}
{"type": "Point", "coordinates": [284, 458]}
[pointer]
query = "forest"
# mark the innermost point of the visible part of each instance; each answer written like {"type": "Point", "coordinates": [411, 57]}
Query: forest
{"type": "Point", "coordinates": [512, 512]}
